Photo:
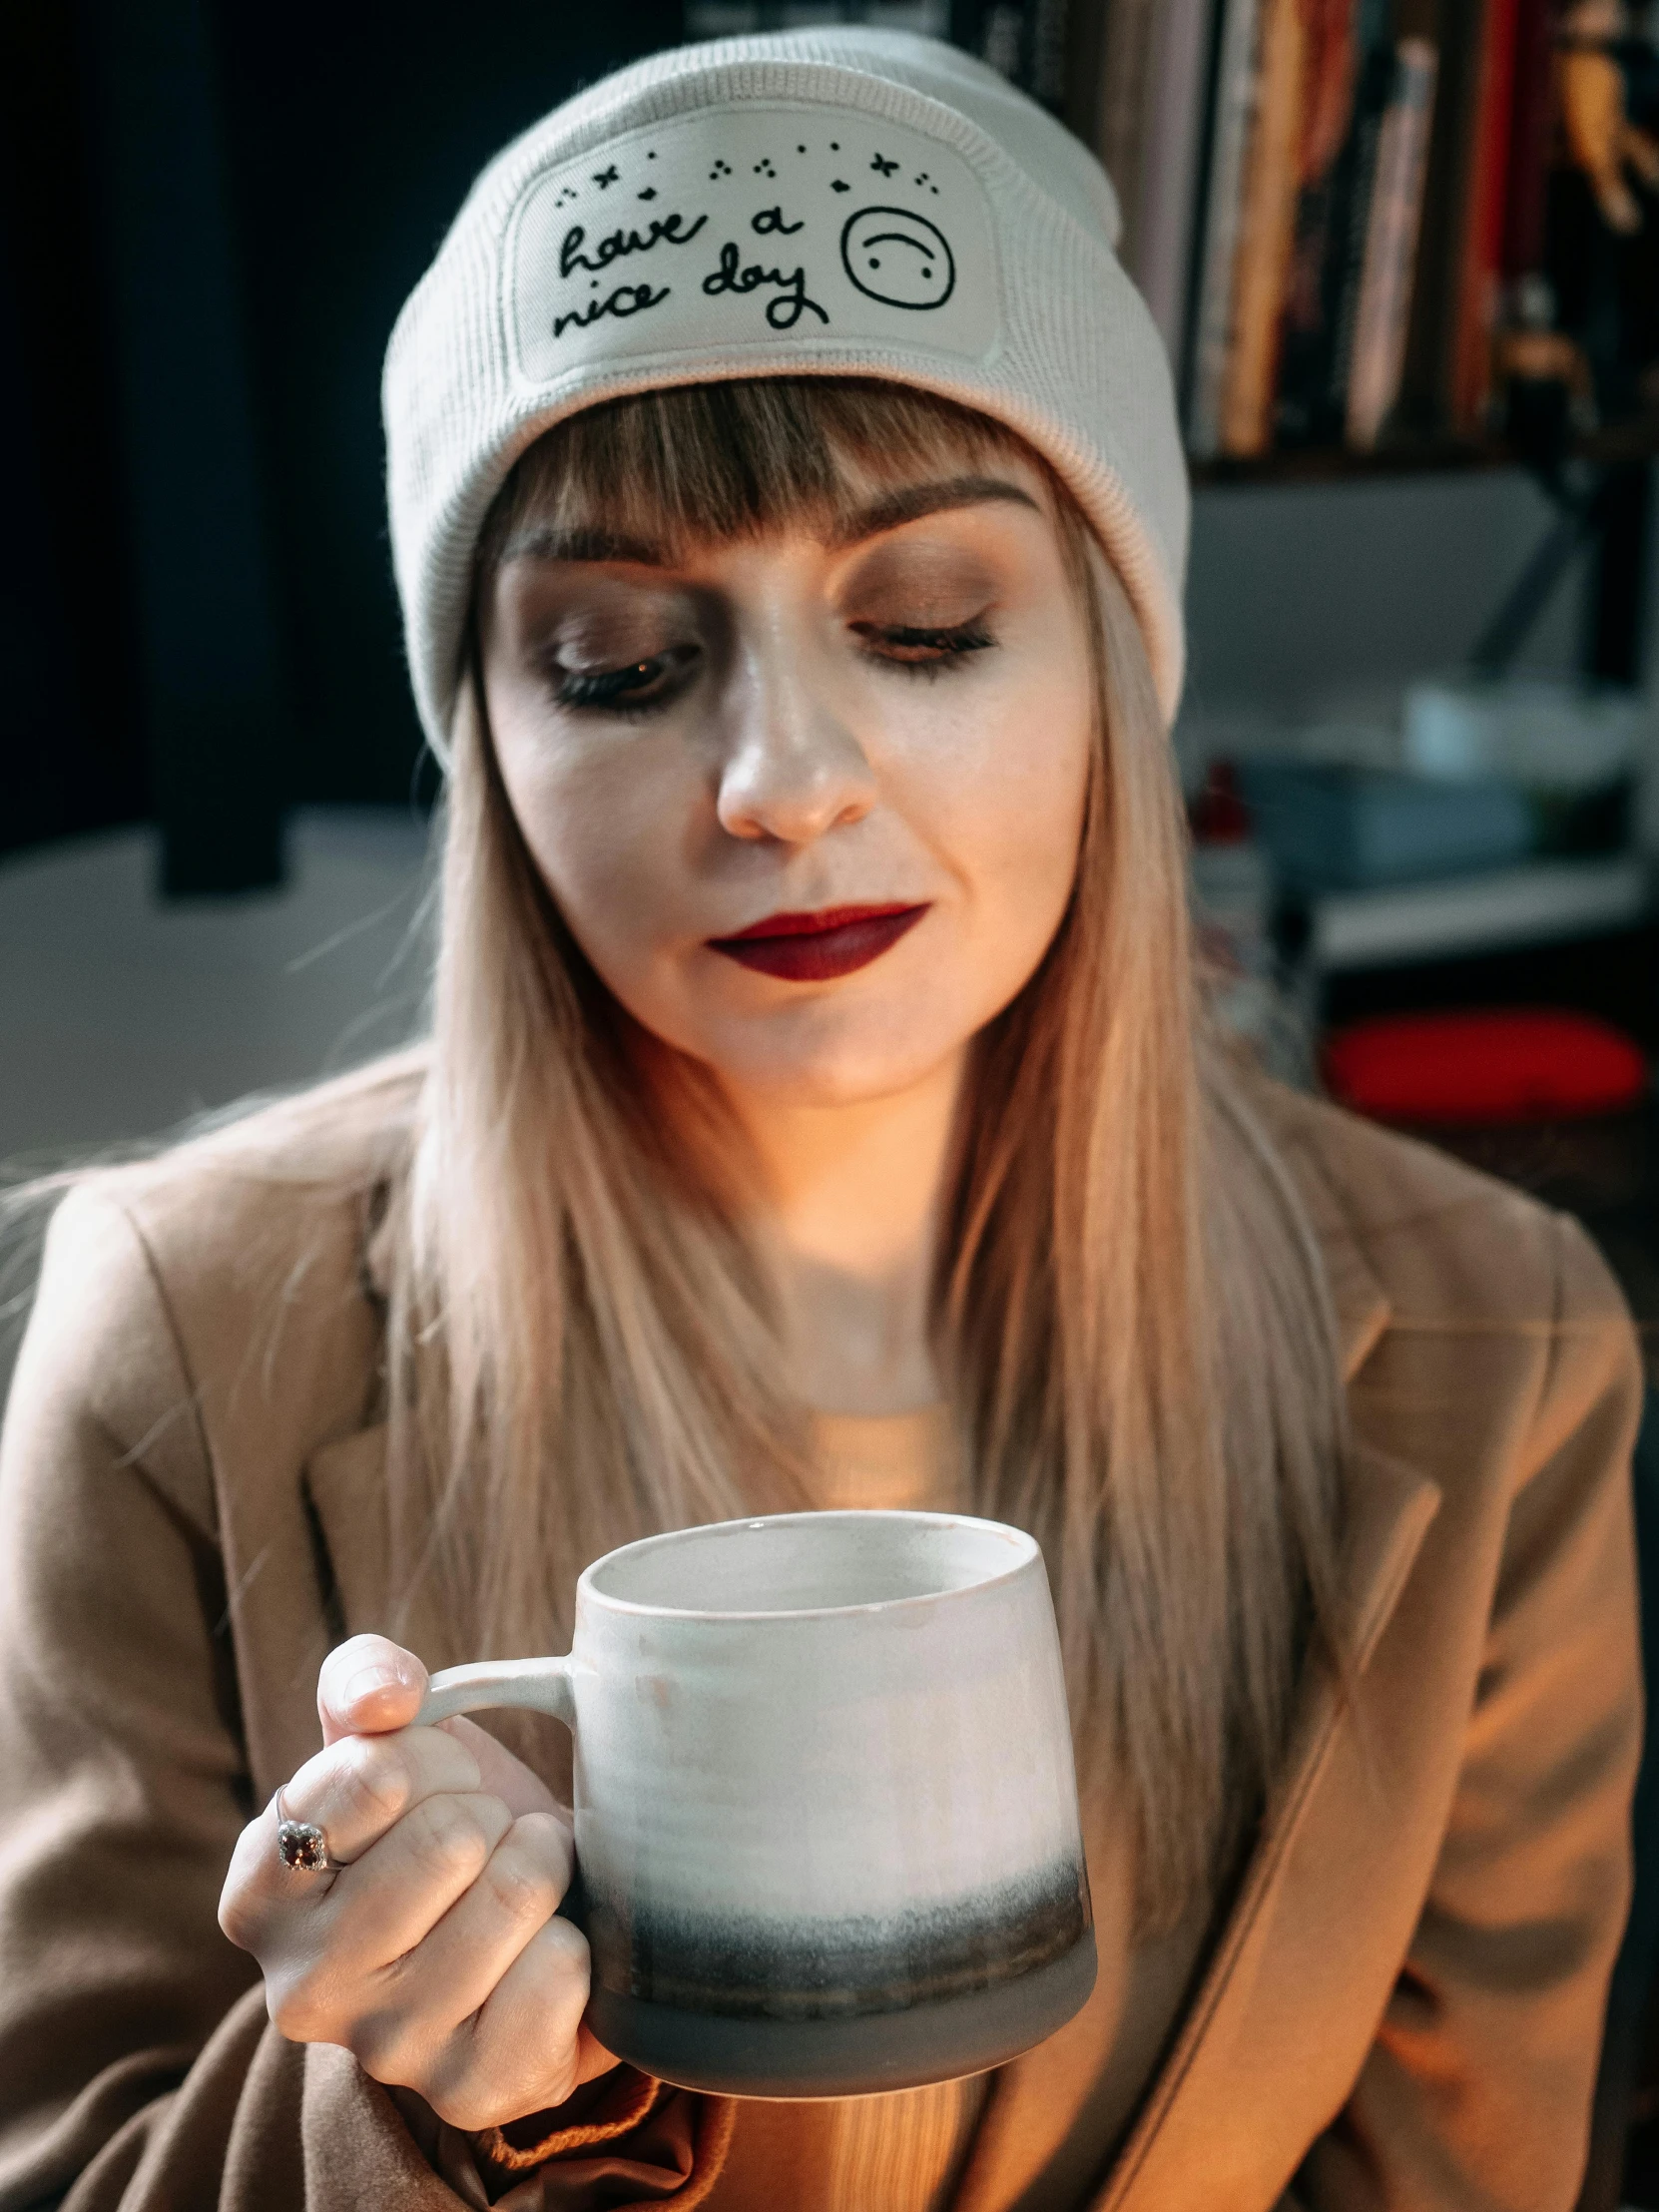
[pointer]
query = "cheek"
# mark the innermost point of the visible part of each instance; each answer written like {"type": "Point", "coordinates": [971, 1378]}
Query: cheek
{"type": "Point", "coordinates": [1007, 803]}
{"type": "Point", "coordinates": [605, 823]}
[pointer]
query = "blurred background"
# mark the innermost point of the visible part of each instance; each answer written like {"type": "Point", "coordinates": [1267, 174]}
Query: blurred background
{"type": "Point", "coordinates": [1404, 255]}
{"type": "Point", "coordinates": [1419, 365]}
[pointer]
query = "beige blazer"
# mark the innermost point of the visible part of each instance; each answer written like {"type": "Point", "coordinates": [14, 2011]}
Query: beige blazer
{"type": "Point", "coordinates": [1399, 2005]}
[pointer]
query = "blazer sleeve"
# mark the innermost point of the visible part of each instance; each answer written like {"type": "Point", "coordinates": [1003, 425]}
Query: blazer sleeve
{"type": "Point", "coordinates": [138, 2070]}
{"type": "Point", "coordinates": [1478, 2089]}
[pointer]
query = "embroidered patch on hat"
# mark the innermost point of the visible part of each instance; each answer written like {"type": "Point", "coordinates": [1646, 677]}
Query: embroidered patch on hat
{"type": "Point", "coordinates": [737, 229]}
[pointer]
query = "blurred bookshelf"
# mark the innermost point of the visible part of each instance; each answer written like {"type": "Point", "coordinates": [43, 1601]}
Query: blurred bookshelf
{"type": "Point", "coordinates": [1620, 444]}
{"type": "Point", "coordinates": [1367, 228]}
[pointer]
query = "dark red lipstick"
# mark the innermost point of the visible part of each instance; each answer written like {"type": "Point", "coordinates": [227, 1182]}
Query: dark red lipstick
{"type": "Point", "coordinates": [811, 949]}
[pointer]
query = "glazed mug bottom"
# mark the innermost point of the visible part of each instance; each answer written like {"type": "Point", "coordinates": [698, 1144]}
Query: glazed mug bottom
{"type": "Point", "coordinates": [857, 2056]}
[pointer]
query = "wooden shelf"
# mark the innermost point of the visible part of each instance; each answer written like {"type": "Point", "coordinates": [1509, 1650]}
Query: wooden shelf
{"type": "Point", "coordinates": [1625, 442]}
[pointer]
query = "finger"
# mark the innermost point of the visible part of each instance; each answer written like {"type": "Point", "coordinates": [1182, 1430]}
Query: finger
{"type": "Point", "coordinates": [445, 1978]}
{"type": "Point", "coordinates": [360, 1787]}
{"type": "Point", "coordinates": [522, 2050]}
{"type": "Point", "coordinates": [366, 1686]}
{"type": "Point", "coordinates": [502, 1774]}
{"type": "Point", "coordinates": [390, 1899]}
{"type": "Point", "coordinates": [355, 1792]}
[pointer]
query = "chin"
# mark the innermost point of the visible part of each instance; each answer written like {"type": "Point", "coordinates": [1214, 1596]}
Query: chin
{"type": "Point", "coordinates": [836, 1070]}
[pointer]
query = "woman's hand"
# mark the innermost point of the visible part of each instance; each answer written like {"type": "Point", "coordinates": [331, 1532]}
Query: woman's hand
{"type": "Point", "coordinates": [434, 1955]}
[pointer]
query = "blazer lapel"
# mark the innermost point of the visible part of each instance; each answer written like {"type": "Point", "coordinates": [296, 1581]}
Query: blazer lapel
{"type": "Point", "coordinates": [1361, 1303]}
{"type": "Point", "coordinates": [345, 1491]}
{"type": "Point", "coordinates": [1187, 2147]}
{"type": "Point", "coordinates": [1182, 2150]}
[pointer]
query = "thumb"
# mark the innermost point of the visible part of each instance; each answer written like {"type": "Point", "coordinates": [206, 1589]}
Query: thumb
{"type": "Point", "coordinates": [367, 1687]}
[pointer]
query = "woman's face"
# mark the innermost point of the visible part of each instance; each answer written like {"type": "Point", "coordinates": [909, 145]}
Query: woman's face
{"type": "Point", "coordinates": [810, 803]}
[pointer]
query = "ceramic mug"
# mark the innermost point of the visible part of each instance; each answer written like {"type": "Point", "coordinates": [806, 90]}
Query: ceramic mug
{"type": "Point", "coordinates": [825, 1808]}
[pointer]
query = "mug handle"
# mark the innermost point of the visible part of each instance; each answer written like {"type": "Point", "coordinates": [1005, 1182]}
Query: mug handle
{"type": "Point", "coordinates": [535, 1685]}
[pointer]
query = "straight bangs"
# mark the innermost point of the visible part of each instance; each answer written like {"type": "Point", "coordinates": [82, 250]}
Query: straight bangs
{"type": "Point", "coordinates": [719, 463]}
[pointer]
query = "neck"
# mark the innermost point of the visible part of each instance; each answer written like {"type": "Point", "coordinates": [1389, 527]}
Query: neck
{"type": "Point", "coordinates": [849, 1206]}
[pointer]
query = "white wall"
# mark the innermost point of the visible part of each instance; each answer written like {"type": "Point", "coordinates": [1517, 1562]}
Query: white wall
{"type": "Point", "coordinates": [1295, 590]}
{"type": "Point", "coordinates": [1312, 600]}
{"type": "Point", "coordinates": [120, 1017]}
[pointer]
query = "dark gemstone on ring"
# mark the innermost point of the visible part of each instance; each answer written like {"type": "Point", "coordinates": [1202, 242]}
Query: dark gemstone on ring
{"type": "Point", "coordinates": [301, 1846]}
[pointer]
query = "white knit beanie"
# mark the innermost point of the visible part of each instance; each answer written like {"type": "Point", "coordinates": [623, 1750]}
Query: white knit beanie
{"type": "Point", "coordinates": [842, 201]}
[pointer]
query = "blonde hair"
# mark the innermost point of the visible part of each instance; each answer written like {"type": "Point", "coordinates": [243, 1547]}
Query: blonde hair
{"type": "Point", "coordinates": [1131, 1310]}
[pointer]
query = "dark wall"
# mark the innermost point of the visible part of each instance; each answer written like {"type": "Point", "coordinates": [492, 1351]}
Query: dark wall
{"type": "Point", "coordinates": [71, 742]}
{"type": "Point", "coordinates": [210, 214]}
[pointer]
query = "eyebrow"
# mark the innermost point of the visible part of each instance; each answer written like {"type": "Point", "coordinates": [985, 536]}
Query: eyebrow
{"type": "Point", "coordinates": [911, 501]}
{"type": "Point", "coordinates": [542, 542]}
{"type": "Point", "coordinates": [846, 527]}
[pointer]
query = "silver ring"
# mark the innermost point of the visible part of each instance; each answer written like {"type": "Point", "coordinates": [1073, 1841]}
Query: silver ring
{"type": "Point", "coordinates": [302, 1846]}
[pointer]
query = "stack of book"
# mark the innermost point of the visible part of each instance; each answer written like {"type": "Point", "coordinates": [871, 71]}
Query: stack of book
{"type": "Point", "coordinates": [1327, 204]}
{"type": "Point", "coordinates": [1331, 205]}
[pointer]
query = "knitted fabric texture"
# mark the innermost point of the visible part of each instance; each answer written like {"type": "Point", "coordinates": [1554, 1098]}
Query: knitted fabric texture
{"type": "Point", "coordinates": [840, 202]}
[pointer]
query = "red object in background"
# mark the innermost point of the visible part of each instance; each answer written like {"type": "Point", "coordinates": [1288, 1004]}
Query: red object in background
{"type": "Point", "coordinates": [1480, 277]}
{"type": "Point", "coordinates": [1532, 129]}
{"type": "Point", "coordinates": [1485, 1066]}
{"type": "Point", "coordinates": [1218, 813]}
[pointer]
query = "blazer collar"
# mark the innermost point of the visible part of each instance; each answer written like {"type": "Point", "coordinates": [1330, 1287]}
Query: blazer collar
{"type": "Point", "coordinates": [1362, 1305]}
{"type": "Point", "coordinates": [345, 1487]}
{"type": "Point", "coordinates": [1181, 2129]}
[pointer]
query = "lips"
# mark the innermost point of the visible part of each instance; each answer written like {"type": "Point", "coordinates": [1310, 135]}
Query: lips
{"type": "Point", "coordinates": [814, 947]}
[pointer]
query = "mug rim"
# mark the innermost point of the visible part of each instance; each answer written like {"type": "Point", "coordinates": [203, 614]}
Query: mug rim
{"type": "Point", "coordinates": [1029, 1550]}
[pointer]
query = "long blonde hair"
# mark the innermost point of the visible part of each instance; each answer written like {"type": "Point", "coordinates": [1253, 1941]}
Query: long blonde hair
{"type": "Point", "coordinates": [1131, 1310]}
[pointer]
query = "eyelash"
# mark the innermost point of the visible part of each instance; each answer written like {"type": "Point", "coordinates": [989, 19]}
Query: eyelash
{"type": "Point", "coordinates": [611, 691]}
{"type": "Point", "coordinates": [947, 649]}
{"type": "Point", "coordinates": [607, 691]}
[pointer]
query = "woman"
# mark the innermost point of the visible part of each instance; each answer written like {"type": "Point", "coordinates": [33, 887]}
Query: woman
{"type": "Point", "coordinates": [788, 514]}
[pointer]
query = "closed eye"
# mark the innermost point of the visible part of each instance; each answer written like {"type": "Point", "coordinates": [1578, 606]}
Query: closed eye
{"type": "Point", "coordinates": [638, 688]}
{"type": "Point", "coordinates": [925, 650]}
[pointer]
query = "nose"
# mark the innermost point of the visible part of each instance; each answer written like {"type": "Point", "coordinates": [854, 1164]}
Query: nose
{"type": "Point", "coordinates": [793, 769]}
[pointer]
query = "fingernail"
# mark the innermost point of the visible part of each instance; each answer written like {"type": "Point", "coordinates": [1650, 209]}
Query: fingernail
{"type": "Point", "coordinates": [367, 1681]}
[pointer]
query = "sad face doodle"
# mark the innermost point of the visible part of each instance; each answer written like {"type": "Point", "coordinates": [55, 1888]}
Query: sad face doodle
{"type": "Point", "coordinates": [899, 258]}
